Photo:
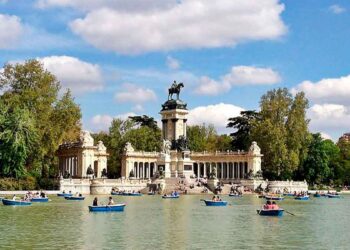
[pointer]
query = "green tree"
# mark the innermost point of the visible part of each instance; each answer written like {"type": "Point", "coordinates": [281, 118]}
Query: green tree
{"type": "Point", "coordinates": [317, 165]}
{"type": "Point", "coordinates": [202, 138]}
{"type": "Point", "coordinates": [282, 132]}
{"type": "Point", "coordinates": [144, 121]}
{"type": "Point", "coordinates": [17, 140]}
{"type": "Point", "coordinates": [29, 86]}
{"type": "Point", "coordinates": [298, 136]}
{"type": "Point", "coordinates": [242, 138]}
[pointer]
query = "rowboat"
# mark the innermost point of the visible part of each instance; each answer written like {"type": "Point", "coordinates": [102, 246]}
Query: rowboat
{"type": "Point", "coordinates": [274, 198]}
{"type": "Point", "coordinates": [75, 198]}
{"type": "Point", "coordinates": [270, 212]}
{"type": "Point", "coordinates": [110, 208]}
{"type": "Point", "coordinates": [235, 195]}
{"type": "Point", "coordinates": [211, 203]}
{"type": "Point", "coordinates": [170, 196]}
{"type": "Point", "coordinates": [1, 198]}
{"type": "Point", "coordinates": [8, 202]}
{"type": "Point", "coordinates": [64, 195]}
{"type": "Point", "coordinates": [288, 194]}
{"type": "Point", "coordinates": [151, 193]}
{"type": "Point", "coordinates": [133, 194]}
{"type": "Point", "coordinates": [317, 195]}
{"type": "Point", "coordinates": [302, 198]}
{"type": "Point", "coordinates": [333, 196]}
{"type": "Point", "coordinates": [39, 199]}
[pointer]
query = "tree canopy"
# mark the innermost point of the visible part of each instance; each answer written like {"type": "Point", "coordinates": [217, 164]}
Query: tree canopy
{"type": "Point", "coordinates": [50, 116]}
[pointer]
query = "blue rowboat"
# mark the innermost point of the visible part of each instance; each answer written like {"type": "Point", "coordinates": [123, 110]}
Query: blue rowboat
{"type": "Point", "coordinates": [211, 203]}
{"type": "Point", "coordinates": [75, 198]}
{"type": "Point", "coordinates": [302, 198]}
{"type": "Point", "coordinates": [270, 212]}
{"type": "Point", "coordinates": [235, 195]}
{"type": "Point", "coordinates": [317, 195]}
{"type": "Point", "coordinates": [39, 199]}
{"type": "Point", "coordinates": [134, 194]}
{"type": "Point", "coordinates": [274, 198]}
{"type": "Point", "coordinates": [288, 194]}
{"type": "Point", "coordinates": [1, 198]}
{"type": "Point", "coordinates": [170, 196]}
{"type": "Point", "coordinates": [151, 193]}
{"type": "Point", "coordinates": [64, 195]}
{"type": "Point", "coordinates": [333, 196]}
{"type": "Point", "coordinates": [8, 202]}
{"type": "Point", "coordinates": [116, 193]}
{"type": "Point", "coordinates": [111, 208]}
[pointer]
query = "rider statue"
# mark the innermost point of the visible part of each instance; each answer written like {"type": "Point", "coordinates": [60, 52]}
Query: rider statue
{"type": "Point", "coordinates": [175, 89]}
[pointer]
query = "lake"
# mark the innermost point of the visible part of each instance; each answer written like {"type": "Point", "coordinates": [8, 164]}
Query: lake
{"type": "Point", "coordinates": [150, 222]}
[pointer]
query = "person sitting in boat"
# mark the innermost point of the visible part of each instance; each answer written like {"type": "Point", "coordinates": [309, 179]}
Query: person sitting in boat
{"type": "Point", "coordinates": [14, 197]}
{"type": "Point", "coordinates": [214, 198]}
{"type": "Point", "coordinates": [110, 201]}
{"type": "Point", "coordinates": [268, 205]}
{"type": "Point", "coordinates": [70, 192]}
{"type": "Point", "coordinates": [274, 206]}
{"type": "Point", "coordinates": [176, 193]}
{"type": "Point", "coordinates": [95, 202]}
{"type": "Point", "coordinates": [218, 198]}
{"type": "Point", "coordinates": [42, 194]}
{"type": "Point", "coordinates": [80, 195]}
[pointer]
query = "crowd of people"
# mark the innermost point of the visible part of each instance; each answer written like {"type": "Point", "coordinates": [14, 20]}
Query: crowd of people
{"type": "Point", "coordinates": [30, 195]}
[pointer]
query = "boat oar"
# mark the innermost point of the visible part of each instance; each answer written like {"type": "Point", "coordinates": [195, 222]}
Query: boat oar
{"type": "Point", "coordinates": [289, 213]}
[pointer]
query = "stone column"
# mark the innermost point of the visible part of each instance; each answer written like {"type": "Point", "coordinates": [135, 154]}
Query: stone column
{"type": "Point", "coordinates": [222, 170]}
{"type": "Point", "coordinates": [216, 169]}
{"type": "Point", "coordinates": [205, 170]}
{"type": "Point", "coordinates": [185, 127]}
{"type": "Point", "coordinates": [165, 128]}
{"type": "Point", "coordinates": [227, 170]}
{"type": "Point", "coordinates": [239, 170]}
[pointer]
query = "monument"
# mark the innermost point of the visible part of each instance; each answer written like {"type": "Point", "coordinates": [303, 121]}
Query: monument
{"type": "Point", "coordinates": [176, 159]}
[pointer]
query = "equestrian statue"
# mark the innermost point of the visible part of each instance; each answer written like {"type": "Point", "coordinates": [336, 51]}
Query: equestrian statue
{"type": "Point", "coordinates": [175, 89]}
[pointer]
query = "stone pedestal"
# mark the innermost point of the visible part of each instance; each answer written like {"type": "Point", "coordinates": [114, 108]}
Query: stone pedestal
{"type": "Point", "coordinates": [212, 183]}
{"type": "Point", "coordinates": [164, 162]}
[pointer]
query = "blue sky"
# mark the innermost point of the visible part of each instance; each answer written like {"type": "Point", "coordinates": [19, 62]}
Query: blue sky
{"type": "Point", "coordinates": [120, 56]}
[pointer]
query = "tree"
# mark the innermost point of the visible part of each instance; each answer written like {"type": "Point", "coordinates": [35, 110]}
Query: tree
{"type": "Point", "coordinates": [17, 139]}
{"type": "Point", "coordinates": [242, 138]}
{"type": "Point", "coordinates": [282, 132]}
{"type": "Point", "coordinates": [144, 121]}
{"type": "Point", "coordinates": [202, 138]}
{"type": "Point", "coordinates": [316, 167]}
{"type": "Point", "coordinates": [30, 87]}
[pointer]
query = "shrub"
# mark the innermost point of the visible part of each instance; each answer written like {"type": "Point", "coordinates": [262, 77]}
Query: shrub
{"type": "Point", "coordinates": [48, 184]}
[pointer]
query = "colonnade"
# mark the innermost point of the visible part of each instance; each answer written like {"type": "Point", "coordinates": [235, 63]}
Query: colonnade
{"type": "Point", "coordinates": [224, 170]}
{"type": "Point", "coordinates": [144, 170]}
{"type": "Point", "coordinates": [69, 164]}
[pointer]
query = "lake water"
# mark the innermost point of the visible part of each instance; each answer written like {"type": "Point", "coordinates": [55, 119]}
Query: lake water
{"type": "Point", "coordinates": [150, 222]}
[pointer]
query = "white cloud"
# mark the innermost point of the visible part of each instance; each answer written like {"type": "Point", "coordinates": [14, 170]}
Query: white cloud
{"type": "Point", "coordinates": [337, 9]}
{"type": "Point", "coordinates": [217, 115]}
{"type": "Point", "coordinates": [103, 122]}
{"type": "Point", "coordinates": [239, 75]}
{"type": "Point", "coordinates": [326, 136]}
{"type": "Point", "coordinates": [172, 63]}
{"type": "Point", "coordinates": [186, 24]}
{"type": "Point", "coordinates": [78, 75]}
{"type": "Point", "coordinates": [120, 5]}
{"type": "Point", "coordinates": [329, 90]}
{"type": "Point", "coordinates": [333, 119]}
{"type": "Point", "coordinates": [10, 30]}
{"type": "Point", "coordinates": [135, 94]}
{"type": "Point", "coordinates": [138, 108]}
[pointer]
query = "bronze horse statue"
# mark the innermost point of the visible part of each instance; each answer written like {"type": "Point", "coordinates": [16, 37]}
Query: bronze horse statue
{"type": "Point", "coordinates": [175, 89]}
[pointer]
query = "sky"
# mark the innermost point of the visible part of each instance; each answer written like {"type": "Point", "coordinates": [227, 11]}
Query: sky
{"type": "Point", "coordinates": [120, 56]}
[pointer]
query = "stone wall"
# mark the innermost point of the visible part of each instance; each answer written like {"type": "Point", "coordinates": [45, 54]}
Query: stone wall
{"type": "Point", "coordinates": [100, 186]}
